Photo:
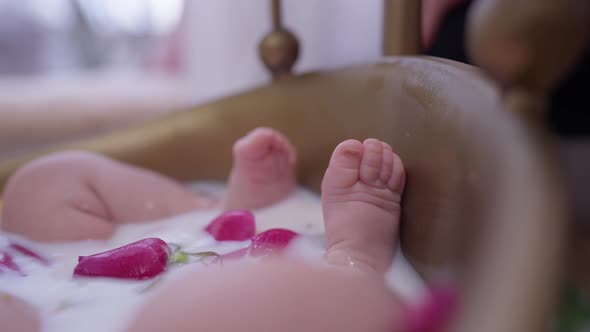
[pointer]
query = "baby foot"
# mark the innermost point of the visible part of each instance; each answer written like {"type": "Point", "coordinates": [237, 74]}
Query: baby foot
{"type": "Point", "coordinates": [263, 172]}
{"type": "Point", "coordinates": [361, 194]}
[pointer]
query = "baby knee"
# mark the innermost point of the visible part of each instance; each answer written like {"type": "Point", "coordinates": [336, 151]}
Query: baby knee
{"type": "Point", "coordinates": [44, 174]}
{"type": "Point", "coordinates": [52, 198]}
{"type": "Point", "coordinates": [38, 172]}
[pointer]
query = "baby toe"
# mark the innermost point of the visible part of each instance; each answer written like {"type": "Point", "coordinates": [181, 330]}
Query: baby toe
{"type": "Point", "coordinates": [343, 170]}
{"type": "Point", "coordinates": [372, 162]}
{"type": "Point", "coordinates": [397, 180]}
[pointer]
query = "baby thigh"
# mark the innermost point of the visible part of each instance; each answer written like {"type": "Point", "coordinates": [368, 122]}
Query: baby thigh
{"type": "Point", "coordinates": [53, 199]}
{"type": "Point", "coordinates": [271, 296]}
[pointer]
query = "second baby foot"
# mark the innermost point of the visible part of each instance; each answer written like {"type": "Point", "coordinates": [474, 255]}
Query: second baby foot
{"type": "Point", "coordinates": [263, 172]}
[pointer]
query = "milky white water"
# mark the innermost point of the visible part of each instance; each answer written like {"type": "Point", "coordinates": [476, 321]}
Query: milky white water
{"type": "Point", "coordinates": [107, 305]}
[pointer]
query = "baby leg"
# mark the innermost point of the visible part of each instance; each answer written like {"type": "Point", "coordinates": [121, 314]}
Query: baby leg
{"type": "Point", "coordinates": [17, 315]}
{"type": "Point", "coordinates": [79, 195]}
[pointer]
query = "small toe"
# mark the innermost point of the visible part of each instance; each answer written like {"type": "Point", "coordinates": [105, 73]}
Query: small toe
{"type": "Point", "coordinates": [343, 170]}
{"type": "Point", "coordinates": [347, 155]}
{"type": "Point", "coordinates": [387, 167]}
{"type": "Point", "coordinates": [397, 180]}
{"type": "Point", "coordinates": [372, 161]}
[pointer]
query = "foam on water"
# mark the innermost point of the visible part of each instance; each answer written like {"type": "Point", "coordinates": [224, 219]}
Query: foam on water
{"type": "Point", "coordinates": [68, 304]}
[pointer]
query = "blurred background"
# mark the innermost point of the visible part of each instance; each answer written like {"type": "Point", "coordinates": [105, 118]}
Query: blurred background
{"type": "Point", "coordinates": [77, 68]}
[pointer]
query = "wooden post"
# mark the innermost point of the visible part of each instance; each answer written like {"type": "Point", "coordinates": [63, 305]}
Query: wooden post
{"type": "Point", "coordinates": [279, 49]}
{"type": "Point", "coordinates": [401, 31]}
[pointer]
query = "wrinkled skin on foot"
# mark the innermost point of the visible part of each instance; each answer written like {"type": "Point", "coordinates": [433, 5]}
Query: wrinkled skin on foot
{"type": "Point", "coordinates": [361, 196]}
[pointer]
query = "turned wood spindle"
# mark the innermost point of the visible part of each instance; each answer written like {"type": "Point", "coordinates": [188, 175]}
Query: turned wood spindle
{"type": "Point", "coordinates": [527, 46]}
{"type": "Point", "coordinates": [279, 49]}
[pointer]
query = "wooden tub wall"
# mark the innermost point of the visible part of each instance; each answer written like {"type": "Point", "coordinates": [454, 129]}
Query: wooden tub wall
{"type": "Point", "coordinates": [428, 109]}
{"type": "Point", "coordinates": [472, 170]}
{"type": "Point", "coordinates": [455, 155]}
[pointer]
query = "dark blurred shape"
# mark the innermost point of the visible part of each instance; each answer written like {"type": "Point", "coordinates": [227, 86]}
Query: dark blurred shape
{"type": "Point", "coordinates": [449, 42]}
{"type": "Point", "coordinates": [570, 105]}
{"type": "Point", "coordinates": [569, 113]}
